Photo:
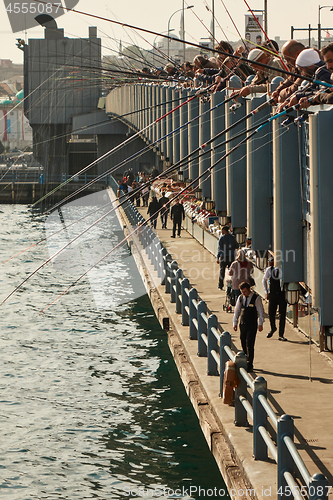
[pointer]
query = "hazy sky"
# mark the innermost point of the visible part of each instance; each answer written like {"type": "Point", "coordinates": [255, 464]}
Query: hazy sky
{"type": "Point", "coordinates": [154, 15]}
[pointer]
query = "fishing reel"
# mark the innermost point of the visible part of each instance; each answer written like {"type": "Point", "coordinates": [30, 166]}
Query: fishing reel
{"type": "Point", "coordinates": [235, 106]}
{"type": "Point", "coordinates": [205, 97]}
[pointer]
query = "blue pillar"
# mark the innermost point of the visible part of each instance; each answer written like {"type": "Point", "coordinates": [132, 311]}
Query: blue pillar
{"type": "Point", "coordinates": [259, 179]}
{"type": "Point", "coordinates": [184, 130]}
{"type": "Point", "coordinates": [175, 125]}
{"type": "Point", "coordinates": [162, 123]}
{"type": "Point", "coordinates": [321, 177]}
{"type": "Point", "coordinates": [236, 168]}
{"type": "Point", "coordinates": [218, 179]}
{"type": "Point", "coordinates": [287, 203]}
{"type": "Point", "coordinates": [193, 136]}
{"type": "Point", "coordinates": [204, 160]}
{"type": "Point", "coordinates": [169, 141]}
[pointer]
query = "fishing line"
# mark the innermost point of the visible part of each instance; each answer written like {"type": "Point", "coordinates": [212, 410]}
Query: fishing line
{"type": "Point", "coordinates": [166, 204]}
{"type": "Point", "coordinates": [207, 171]}
{"type": "Point", "coordinates": [140, 188]}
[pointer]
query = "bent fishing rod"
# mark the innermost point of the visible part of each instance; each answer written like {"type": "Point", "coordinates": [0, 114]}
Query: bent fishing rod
{"type": "Point", "coordinates": [219, 51]}
{"type": "Point", "coordinates": [102, 176]}
{"type": "Point", "coordinates": [119, 146]}
{"type": "Point", "coordinates": [126, 238]}
{"type": "Point", "coordinates": [135, 155]}
{"type": "Point", "coordinates": [180, 193]}
{"type": "Point", "coordinates": [131, 195]}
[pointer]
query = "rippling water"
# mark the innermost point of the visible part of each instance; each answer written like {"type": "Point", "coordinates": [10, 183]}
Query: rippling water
{"type": "Point", "coordinates": [91, 404]}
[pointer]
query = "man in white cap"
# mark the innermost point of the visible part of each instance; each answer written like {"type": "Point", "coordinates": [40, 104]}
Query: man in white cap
{"type": "Point", "coordinates": [263, 75]}
{"type": "Point", "coordinates": [322, 97]}
{"type": "Point", "coordinates": [311, 65]}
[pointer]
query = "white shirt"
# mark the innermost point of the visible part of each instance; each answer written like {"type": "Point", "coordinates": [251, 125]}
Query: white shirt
{"type": "Point", "coordinates": [242, 300]}
{"type": "Point", "coordinates": [267, 276]}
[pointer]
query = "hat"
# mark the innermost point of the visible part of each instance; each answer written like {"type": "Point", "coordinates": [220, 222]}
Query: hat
{"type": "Point", "coordinates": [307, 57]}
{"type": "Point", "coordinates": [254, 54]}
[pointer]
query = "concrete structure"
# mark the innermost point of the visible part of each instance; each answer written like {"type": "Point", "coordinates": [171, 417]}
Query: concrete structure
{"type": "Point", "coordinates": [299, 378]}
{"type": "Point", "coordinates": [275, 194]}
{"type": "Point", "coordinates": [61, 79]}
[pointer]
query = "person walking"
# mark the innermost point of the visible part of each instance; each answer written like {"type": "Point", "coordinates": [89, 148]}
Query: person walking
{"type": "Point", "coordinates": [276, 298]}
{"type": "Point", "coordinates": [225, 253]}
{"type": "Point", "coordinates": [164, 210]}
{"type": "Point", "coordinates": [177, 216]}
{"type": "Point", "coordinates": [248, 309]}
{"type": "Point", "coordinates": [153, 209]}
{"type": "Point", "coordinates": [240, 271]}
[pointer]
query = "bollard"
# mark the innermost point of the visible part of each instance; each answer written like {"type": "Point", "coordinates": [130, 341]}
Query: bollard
{"type": "Point", "coordinates": [193, 295]}
{"type": "Point", "coordinates": [241, 390]}
{"type": "Point", "coordinates": [163, 254]}
{"type": "Point", "coordinates": [225, 339]}
{"type": "Point", "coordinates": [168, 260]}
{"type": "Point", "coordinates": [185, 301]}
{"type": "Point", "coordinates": [318, 487]}
{"type": "Point", "coordinates": [259, 419]}
{"type": "Point", "coordinates": [212, 368]}
{"type": "Point", "coordinates": [285, 427]}
{"type": "Point", "coordinates": [179, 277]}
{"type": "Point", "coordinates": [174, 267]}
{"type": "Point", "coordinates": [202, 328]}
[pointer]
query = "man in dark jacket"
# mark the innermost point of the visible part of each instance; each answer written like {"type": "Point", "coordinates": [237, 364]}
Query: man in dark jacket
{"type": "Point", "coordinates": [177, 215]}
{"type": "Point", "coordinates": [164, 210]}
{"type": "Point", "coordinates": [225, 253]}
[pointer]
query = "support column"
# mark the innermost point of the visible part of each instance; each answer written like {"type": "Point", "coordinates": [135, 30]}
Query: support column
{"type": "Point", "coordinates": [259, 179]}
{"type": "Point", "coordinates": [204, 160]}
{"type": "Point", "coordinates": [236, 169]}
{"type": "Point", "coordinates": [218, 178]}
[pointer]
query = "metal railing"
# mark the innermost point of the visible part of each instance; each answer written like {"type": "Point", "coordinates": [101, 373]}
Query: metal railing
{"type": "Point", "coordinates": [216, 346]}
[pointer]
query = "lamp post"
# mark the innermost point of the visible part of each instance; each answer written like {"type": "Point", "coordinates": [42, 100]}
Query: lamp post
{"type": "Point", "coordinates": [319, 25]}
{"type": "Point", "coordinates": [182, 9]}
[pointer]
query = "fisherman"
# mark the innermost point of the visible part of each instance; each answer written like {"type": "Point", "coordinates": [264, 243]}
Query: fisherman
{"type": "Point", "coordinates": [290, 51]}
{"type": "Point", "coordinates": [248, 309]}
{"type": "Point", "coordinates": [327, 96]}
{"type": "Point", "coordinates": [310, 65]}
{"type": "Point", "coordinates": [263, 75]}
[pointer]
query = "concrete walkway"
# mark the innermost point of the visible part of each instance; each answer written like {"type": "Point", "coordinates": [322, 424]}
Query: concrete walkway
{"type": "Point", "coordinates": [299, 378]}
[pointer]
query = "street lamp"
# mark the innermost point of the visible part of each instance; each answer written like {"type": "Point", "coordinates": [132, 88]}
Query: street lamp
{"type": "Point", "coordinates": [319, 25]}
{"type": "Point", "coordinates": [182, 9]}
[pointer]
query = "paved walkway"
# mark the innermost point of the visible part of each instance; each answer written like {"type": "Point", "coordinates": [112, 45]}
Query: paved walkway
{"type": "Point", "coordinates": [299, 378]}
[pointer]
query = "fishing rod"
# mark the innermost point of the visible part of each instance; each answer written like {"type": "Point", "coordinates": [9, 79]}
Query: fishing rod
{"type": "Point", "coordinates": [116, 148]}
{"type": "Point", "coordinates": [150, 146]}
{"type": "Point", "coordinates": [140, 188]}
{"type": "Point", "coordinates": [219, 51]}
{"type": "Point", "coordinates": [257, 129]}
{"type": "Point", "coordinates": [162, 208]}
{"type": "Point", "coordinates": [231, 19]}
{"type": "Point", "coordinates": [216, 20]}
{"type": "Point", "coordinates": [105, 215]}
{"type": "Point", "coordinates": [264, 32]}
{"type": "Point", "coordinates": [130, 158]}
{"type": "Point", "coordinates": [101, 176]}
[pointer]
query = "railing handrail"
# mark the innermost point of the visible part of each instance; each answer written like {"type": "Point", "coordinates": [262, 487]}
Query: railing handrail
{"type": "Point", "coordinates": [211, 336]}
